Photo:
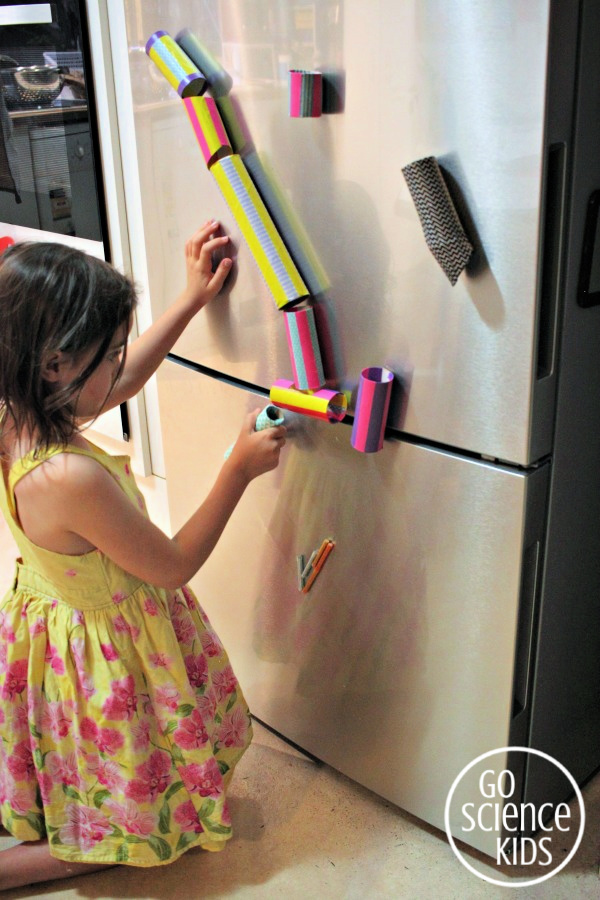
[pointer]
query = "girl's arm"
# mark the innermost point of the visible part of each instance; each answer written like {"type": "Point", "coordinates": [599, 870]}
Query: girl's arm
{"type": "Point", "coordinates": [145, 354]}
{"type": "Point", "coordinates": [80, 497]}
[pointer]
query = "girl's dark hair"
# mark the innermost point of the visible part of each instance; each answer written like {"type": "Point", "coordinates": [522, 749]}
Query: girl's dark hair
{"type": "Point", "coordinates": [54, 298]}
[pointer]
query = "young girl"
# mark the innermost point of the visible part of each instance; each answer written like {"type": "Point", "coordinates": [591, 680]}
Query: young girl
{"type": "Point", "coordinates": [121, 719]}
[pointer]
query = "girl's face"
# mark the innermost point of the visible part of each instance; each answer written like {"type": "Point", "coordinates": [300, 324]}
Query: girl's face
{"type": "Point", "coordinates": [93, 394]}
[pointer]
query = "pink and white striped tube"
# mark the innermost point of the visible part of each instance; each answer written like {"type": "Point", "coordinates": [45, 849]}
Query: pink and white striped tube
{"type": "Point", "coordinates": [372, 405]}
{"type": "Point", "coordinates": [303, 344]}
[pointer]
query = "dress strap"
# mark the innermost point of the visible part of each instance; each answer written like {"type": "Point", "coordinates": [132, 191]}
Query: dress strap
{"type": "Point", "coordinates": [31, 460]}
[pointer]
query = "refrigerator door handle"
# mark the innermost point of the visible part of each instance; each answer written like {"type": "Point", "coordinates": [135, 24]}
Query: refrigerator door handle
{"type": "Point", "coordinates": [525, 629]}
{"type": "Point", "coordinates": [551, 257]}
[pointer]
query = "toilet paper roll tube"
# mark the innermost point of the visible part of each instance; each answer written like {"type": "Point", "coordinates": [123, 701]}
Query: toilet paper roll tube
{"type": "Point", "coordinates": [306, 93]}
{"type": "Point", "coordinates": [442, 228]}
{"type": "Point", "coordinates": [208, 127]}
{"type": "Point", "coordinates": [324, 404]}
{"type": "Point", "coordinates": [258, 229]}
{"type": "Point", "coordinates": [287, 222]}
{"type": "Point", "coordinates": [235, 124]}
{"type": "Point", "coordinates": [219, 81]}
{"type": "Point", "coordinates": [303, 344]}
{"type": "Point", "coordinates": [179, 70]}
{"type": "Point", "coordinates": [372, 405]}
{"type": "Point", "coordinates": [269, 417]}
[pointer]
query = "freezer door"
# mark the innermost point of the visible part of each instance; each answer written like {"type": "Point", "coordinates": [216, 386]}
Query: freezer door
{"type": "Point", "coordinates": [397, 666]}
{"type": "Point", "coordinates": [464, 82]}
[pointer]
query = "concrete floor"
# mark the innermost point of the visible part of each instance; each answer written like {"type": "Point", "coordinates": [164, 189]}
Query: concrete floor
{"type": "Point", "coordinates": [303, 831]}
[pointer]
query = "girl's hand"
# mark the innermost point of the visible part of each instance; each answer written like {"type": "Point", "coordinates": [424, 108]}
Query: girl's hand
{"type": "Point", "coordinates": [256, 452]}
{"type": "Point", "coordinates": [202, 283]}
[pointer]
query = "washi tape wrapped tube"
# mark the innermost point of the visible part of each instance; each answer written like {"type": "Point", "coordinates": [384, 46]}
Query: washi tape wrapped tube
{"type": "Point", "coordinates": [179, 70]}
{"type": "Point", "coordinates": [269, 417]}
{"type": "Point", "coordinates": [306, 93]}
{"type": "Point", "coordinates": [258, 229]}
{"type": "Point", "coordinates": [442, 228]}
{"type": "Point", "coordinates": [372, 405]}
{"type": "Point", "coordinates": [208, 128]}
{"type": "Point", "coordinates": [324, 404]}
{"type": "Point", "coordinates": [303, 344]}
{"type": "Point", "coordinates": [218, 79]}
{"type": "Point", "coordinates": [288, 224]}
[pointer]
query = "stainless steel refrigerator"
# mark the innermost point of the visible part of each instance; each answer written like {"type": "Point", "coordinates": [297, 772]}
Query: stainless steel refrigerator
{"type": "Point", "coordinates": [458, 612]}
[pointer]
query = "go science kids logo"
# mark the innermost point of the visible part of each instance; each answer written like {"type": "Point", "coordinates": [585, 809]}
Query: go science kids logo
{"type": "Point", "coordinates": [496, 809]}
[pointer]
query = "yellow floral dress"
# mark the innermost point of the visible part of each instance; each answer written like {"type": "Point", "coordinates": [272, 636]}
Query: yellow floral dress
{"type": "Point", "coordinates": [121, 719]}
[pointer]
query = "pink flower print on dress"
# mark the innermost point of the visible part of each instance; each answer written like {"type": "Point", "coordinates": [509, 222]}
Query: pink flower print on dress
{"type": "Point", "coordinates": [151, 606]}
{"type": "Point", "coordinates": [71, 573]}
{"type": "Point", "coordinates": [205, 779]}
{"type": "Point", "coordinates": [38, 627]}
{"type": "Point", "coordinates": [184, 628]}
{"type": "Point", "coordinates": [119, 596]}
{"type": "Point", "coordinates": [107, 772]}
{"type": "Point", "coordinates": [186, 816]}
{"type": "Point", "coordinates": [46, 785]}
{"type": "Point", "coordinates": [224, 682]}
{"type": "Point", "coordinates": [54, 659]}
{"type": "Point", "coordinates": [3, 656]}
{"type": "Point", "coordinates": [207, 704]}
{"type": "Point", "coordinates": [168, 696]}
{"type": "Point", "coordinates": [55, 719]}
{"type": "Point", "coordinates": [129, 816]}
{"type": "Point", "coordinates": [108, 652]}
{"type": "Point", "coordinates": [2, 717]}
{"type": "Point", "coordinates": [107, 740]}
{"type": "Point", "coordinates": [124, 627]}
{"type": "Point", "coordinates": [6, 630]}
{"type": "Point", "coordinates": [191, 732]}
{"type": "Point", "coordinates": [153, 778]}
{"type": "Point", "coordinates": [160, 660]}
{"type": "Point", "coordinates": [86, 682]}
{"type": "Point", "coordinates": [20, 801]}
{"type": "Point", "coordinates": [197, 670]}
{"type": "Point", "coordinates": [84, 827]}
{"type": "Point", "coordinates": [122, 704]}
{"type": "Point", "coordinates": [20, 762]}
{"type": "Point", "coordinates": [15, 681]}
{"type": "Point", "coordinates": [211, 644]}
{"type": "Point", "coordinates": [234, 728]}
{"type": "Point", "coordinates": [77, 618]}
{"type": "Point", "coordinates": [141, 735]}
{"type": "Point", "coordinates": [64, 769]}
{"type": "Point", "coordinates": [127, 469]}
{"type": "Point", "coordinates": [189, 598]}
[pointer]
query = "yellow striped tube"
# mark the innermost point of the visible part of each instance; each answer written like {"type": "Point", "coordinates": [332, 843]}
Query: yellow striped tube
{"type": "Point", "coordinates": [208, 127]}
{"type": "Point", "coordinates": [258, 229]}
{"type": "Point", "coordinates": [176, 66]}
{"type": "Point", "coordinates": [323, 404]}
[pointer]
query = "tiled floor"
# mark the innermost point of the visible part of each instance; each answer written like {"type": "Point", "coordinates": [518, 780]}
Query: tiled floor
{"type": "Point", "coordinates": [304, 831]}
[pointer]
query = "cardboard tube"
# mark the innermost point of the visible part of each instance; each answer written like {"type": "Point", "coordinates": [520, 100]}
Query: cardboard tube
{"type": "Point", "coordinates": [304, 349]}
{"type": "Point", "coordinates": [324, 404]}
{"type": "Point", "coordinates": [306, 93]}
{"type": "Point", "coordinates": [176, 66]}
{"type": "Point", "coordinates": [208, 127]}
{"type": "Point", "coordinates": [372, 404]}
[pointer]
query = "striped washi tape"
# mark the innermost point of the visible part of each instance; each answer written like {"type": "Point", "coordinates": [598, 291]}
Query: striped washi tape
{"type": "Point", "coordinates": [269, 417]}
{"type": "Point", "coordinates": [288, 224]}
{"type": "Point", "coordinates": [324, 404]}
{"type": "Point", "coordinates": [208, 127]}
{"type": "Point", "coordinates": [270, 253]}
{"type": "Point", "coordinates": [176, 66]}
{"type": "Point", "coordinates": [303, 344]}
{"type": "Point", "coordinates": [306, 93]}
{"type": "Point", "coordinates": [372, 404]}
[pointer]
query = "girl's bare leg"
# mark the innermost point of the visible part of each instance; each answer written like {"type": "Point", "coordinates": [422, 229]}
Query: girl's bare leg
{"type": "Point", "coordinates": [29, 863]}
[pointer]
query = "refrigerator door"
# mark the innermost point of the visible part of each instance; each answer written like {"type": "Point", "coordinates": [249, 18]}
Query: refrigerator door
{"type": "Point", "coordinates": [464, 82]}
{"type": "Point", "coordinates": [397, 666]}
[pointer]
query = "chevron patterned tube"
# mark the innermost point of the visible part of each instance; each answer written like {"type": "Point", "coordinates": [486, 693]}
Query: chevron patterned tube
{"type": "Point", "coordinates": [179, 70]}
